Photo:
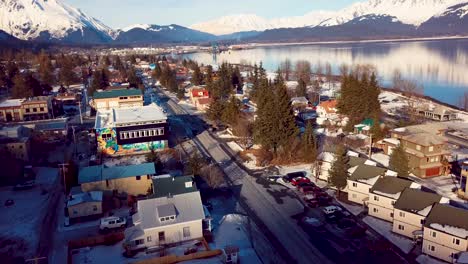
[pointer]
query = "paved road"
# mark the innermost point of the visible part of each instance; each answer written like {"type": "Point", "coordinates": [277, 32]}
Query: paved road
{"type": "Point", "coordinates": [272, 204]}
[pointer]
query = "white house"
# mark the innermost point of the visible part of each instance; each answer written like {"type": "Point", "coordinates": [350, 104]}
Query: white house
{"type": "Point", "coordinates": [362, 178]}
{"type": "Point", "coordinates": [384, 194]}
{"type": "Point", "coordinates": [411, 210]}
{"type": "Point", "coordinates": [174, 214]}
{"type": "Point", "coordinates": [446, 233]}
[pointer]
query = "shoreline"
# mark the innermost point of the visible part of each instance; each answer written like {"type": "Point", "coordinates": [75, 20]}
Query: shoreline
{"type": "Point", "coordinates": [279, 44]}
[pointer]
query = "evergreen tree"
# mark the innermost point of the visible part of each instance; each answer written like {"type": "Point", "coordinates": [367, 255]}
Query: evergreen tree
{"type": "Point", "coordinates": [231, 111]}
{"type": "Point", "coordinates": [197, 76]}
{"type": "Point", "coordinates": [376, 130]}
{"type": "Point", "coordinates": [215, 110]}
{"type": "Point", "coordinates": [399, 161]}
{"type": "Point", "coordinates": [338, 172]}
{"type": "Point", "coordinates": [45, 69]}
{"type": "Point", "coordinates": [209, 75]}
{"type": "Point", "coordinates": [309, 144]}
{"type": "Point", "coordinates": [301, 89]}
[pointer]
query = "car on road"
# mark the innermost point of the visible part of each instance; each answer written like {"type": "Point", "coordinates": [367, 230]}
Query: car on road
{"type": "Point", "coordinates": [346, 223]}
{"type": "Point", "coordinates": [298, 180]}
{"type": "Point", "coordinates": [112, 222]}
{"type": "Point", "coordinates": [312, 223]}
{"type": "Point", "coordinates": [290, 176]}
{"type": "Point", "coordinates": [24, 185]}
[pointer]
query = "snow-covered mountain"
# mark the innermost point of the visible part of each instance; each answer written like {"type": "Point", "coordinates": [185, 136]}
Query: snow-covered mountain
{"type": "Point", "coordinates": [148, 34]}
{"type": "Point", "coordinates": [412, 12]}
{"type": "Point", "coordinates": [50, 20]}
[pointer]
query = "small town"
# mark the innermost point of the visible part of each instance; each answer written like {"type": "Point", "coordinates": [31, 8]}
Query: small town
{"type": "Point", "coordinates": [177, 153]}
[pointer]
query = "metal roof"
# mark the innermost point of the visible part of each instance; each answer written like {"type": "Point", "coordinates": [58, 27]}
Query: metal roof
{"type": "Point", "coordinates": [364, 171]}
{"type": "Point", "coordinates": [101, 173]}
{"type": "Point", "coordinates": [414, 200]}
{"type": "Point", "coordinates": [391, 185]}
{"type": "Point", "coordinates": [171, 186]}
{"type": "Point", "coordinates": [117, 93]}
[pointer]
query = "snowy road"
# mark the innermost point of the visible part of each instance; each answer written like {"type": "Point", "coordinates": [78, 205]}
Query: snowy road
{"type": "Point", "coordinates": [271, 204]}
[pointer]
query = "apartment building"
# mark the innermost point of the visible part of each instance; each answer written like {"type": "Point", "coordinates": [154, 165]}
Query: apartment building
{"type": "Point", "coordinates": [362, 178]}
{"type": "Point", "coordinates": [37, 108]}
{"type": "Point", "coordinates": [117, 98]}
{"type": "Point", "coordinates": [384, 194]}
{"type": "Point", "coordinates": [411, 210]}
{"type": "Point", "coordinates": [446, 233]}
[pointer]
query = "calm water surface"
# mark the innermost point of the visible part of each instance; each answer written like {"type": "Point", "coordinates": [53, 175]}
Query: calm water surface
{"type": "Point", "coordinates": [441, 66]}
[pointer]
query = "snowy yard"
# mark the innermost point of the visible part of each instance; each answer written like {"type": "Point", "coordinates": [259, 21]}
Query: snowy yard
{"type": "Point", "coordinates": [124, 161]}
{"type": "Point", "coordinates": [20, 223]}
{"type": "Point", "coordinates": [384, 228]}
{"type": "Point", "coordinates": [425, 259]}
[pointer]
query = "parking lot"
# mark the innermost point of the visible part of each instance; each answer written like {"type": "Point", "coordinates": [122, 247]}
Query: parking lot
{"type": "Point", "coordinates": [339, 234]}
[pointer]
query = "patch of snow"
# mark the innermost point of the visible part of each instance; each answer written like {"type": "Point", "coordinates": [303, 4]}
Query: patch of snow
{"type": "Point", "coordinates": [234, 146]}
{"type": "Point", "coordinates": [425, 211]}
{"type": "Point", "coordinates": [370, 181]}
{"type": "Point", "coordinates": [384, 228]}
{"type": "Point", "coordinates": [381, 158]}
{"type": "Point", "coordinates": [456, 231]}
{"type": "Point", "coordinates": [425, 259]}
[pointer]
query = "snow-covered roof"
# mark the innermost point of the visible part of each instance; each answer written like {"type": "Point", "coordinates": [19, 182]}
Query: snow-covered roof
{"type": "Point", "coordinates": [116, 117]}
{"type": "Point", "coordinates": [93, 196]}
{"type": "Point", "coordinates": [449, 219]}
{"type": "Point", "coordinates": [326, 156]}
{"type": "Point", "coordinates": [187, 205]}
{"type": "Point", "coordinates": [416, 201]}
{"type": "Point", "coordinates": [393, 141]}
{"type": "Point", "coordinates": [11, 103]}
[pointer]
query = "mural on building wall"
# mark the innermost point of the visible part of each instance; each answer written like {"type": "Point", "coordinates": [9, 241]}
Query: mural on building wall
{"type": "Point", "coordinates": [108, 145]}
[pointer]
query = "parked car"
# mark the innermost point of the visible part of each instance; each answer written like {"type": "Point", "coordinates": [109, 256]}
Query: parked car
{"type": "Point", "coordinates": [324, 201]}
{"type": "Point", "coordinates": [312, 223]}
{"type": "Point", "coordinates": [346, 223]}
{"type": "Point", "coordinates": [312, 203]}
{"type": "Point", "coordinates": [306, 189]}
{"type": "Point", "coordinates": [302, 184]}
{"type": "Point", "coordinates": [290, 176]}
{"type": "Point", "coordinates": [24, 185]}
{"type": "Point", "coordinates": [331, 209]}
{"type": "Point", "coordinates": [112, 222]}
{"type": "Point", "coordinates": [356, 231]}
{"type": "Point", "coordinates": [299, 180]}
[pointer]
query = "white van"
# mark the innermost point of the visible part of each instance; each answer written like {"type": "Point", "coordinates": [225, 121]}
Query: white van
{"type": "Point", "coordinates": [331, 209]}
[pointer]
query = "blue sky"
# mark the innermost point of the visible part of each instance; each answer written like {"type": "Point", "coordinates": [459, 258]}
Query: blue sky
{"type": "Point", "coordinates": [121, 13]}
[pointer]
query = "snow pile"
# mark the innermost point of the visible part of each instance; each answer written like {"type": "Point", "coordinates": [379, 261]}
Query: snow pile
{"type": "Point", "coordinates": [394, 196]}
{"type": "Point", "coordinates": [425, 211]}
{"type": "Point", "coordinates": [384, 228]}
{"type": "Point", "coordinates": [370, 181]}
{"type": "Point", "coordinates": [456, 231]}
{"type": "Point", "coordinates": [234, 146]}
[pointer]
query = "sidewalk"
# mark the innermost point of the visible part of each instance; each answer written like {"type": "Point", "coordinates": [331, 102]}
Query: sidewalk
{"type": "Point", "coordinates": [385, 229]}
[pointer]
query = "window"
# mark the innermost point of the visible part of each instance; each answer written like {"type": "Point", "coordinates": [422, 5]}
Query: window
{"type": "Point", "coordinates": [376, 198]}
{"type": "Point", "coordinates": [145, 133]}
{"type": "Point", "coordinates": [392, 202]}
{"type": "Point", "coordinates": [107, 183]}
{"type": "Point", "coordinates": [27, 110]}
{"type": "Point", "coordinates": [431, 148]}
{"type": "Point", "coordinates": [354, 184]}
{"type": "Point", "coordinates": [167, 218]}
{"type": "Point", "coordinates": [431, 248]}
{"type": "Point", "coordinates": [139, 242]}
{"type": "Point", "coordinates": [433, 234]}
{"type": "Point", "coordinates": [402, 214]}
{"type": "Point", "coordinates": [418, 147]}
{"type": "Point", "coordinates": [161, 219]}
{"type": "Point", "coordinates": [95, 208]}
{"type": "Point", "coordinates": [42, 109]}
{"type": "Point", "coordinates": [456, 241]}
{"type": "Point", "coordinates": [187, 231]}
{"type": "Point", "coordinates": [75, 212]}
{"type": "Point", "coordinates": [148, 239]}
{"type": "Point", "coordinates": [375, 210]}
{"type": "Point", "coordinates": [34, 110]}
{"type": "Point", "coordinates": [391, 215]}
{"type": "Point", "coordinates": [401, 227]}
{"type": "Point", "coordinates": [148, 177]}
{"type": "Point", "coordinates": [423, 221]}
{"type": "Point", "coordinates": [172, 217]}
{"type": "Point", "coordinates": [138, 178]}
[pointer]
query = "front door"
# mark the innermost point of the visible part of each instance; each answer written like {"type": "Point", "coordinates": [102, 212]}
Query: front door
{"type": "Point", "coordinates": [162, 237]}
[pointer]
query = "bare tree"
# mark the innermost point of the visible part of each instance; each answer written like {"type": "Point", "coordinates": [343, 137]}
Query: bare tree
{"type": "Point", "coordinates": [328, 73]}
{"type": "Point", "coordinates": [463, 104]}
{"type": "Point", "coordinates": [244, 130]}
{"type": "Point", "coordinates": [213, 175]}
{"type": "Point", "coordinates": [412, 91]}
{"type": "Point", "coordinates": [303, 70]}
{"type": "Point", "coordinates": [319, 70]}
{"type": "Point", "coordinates": [286, 69]}
{"type": "Point", "coordinates": [396, 78]}
{"type": "Point", "coordinates": [344, 69]}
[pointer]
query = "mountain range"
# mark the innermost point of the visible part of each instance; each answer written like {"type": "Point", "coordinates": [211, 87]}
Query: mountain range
{"type": "Point", "coordinates": [53, 21]}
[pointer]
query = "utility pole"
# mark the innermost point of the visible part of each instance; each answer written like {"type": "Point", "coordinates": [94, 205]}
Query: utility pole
{"type": "Point", "coordinates": [81, 117]}
{"type": "Point", "coordinates": [370, 146]}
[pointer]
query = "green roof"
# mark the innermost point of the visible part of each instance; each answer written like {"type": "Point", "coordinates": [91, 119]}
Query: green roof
{"type": "Point", "coordinates": [414, 200]}
{"type": "Point", "coordinates": [167, 186]}
{"type": "Point", "coordinates": [364, 172]}
{"type": "Point", "coordinates": [116, 93]}
{"type": "Point", "coordinates": [101, 172]}
{"type": "Point", "coordinates": [390, 185]}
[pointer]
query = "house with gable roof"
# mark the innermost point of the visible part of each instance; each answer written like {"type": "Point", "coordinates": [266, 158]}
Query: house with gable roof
{"type": "Point", "coordinates": [361, 180]}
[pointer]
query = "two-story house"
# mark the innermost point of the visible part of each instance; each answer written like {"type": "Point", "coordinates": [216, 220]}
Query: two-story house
{"type": "Point", "coordinates": [362, 178]}
{"type": "Point", "coordinates": [325, 160]}
{"type": "Point", "coordinates": [117, 98]}
{"type": "Point", "coordinates": [411, 210]}
{"type": "Point", "coordinates": [446, 233]}
{"type": "Point", "coordinates": [426, 152]}
{"type": "Point", "coordinates": [384, 194]}
{"type": "Point", "coordinates": [173, 214]}
{"type": "Point", "coordinates": [130, 179]}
